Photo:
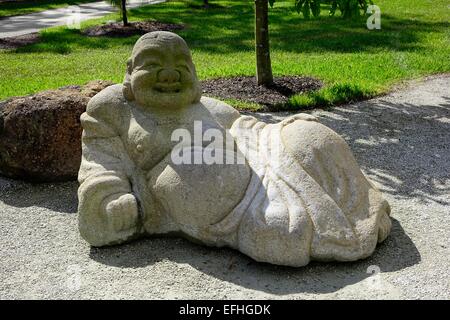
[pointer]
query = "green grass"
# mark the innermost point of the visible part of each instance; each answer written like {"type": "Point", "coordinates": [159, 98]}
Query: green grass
{"type": "Point", "coordinates": [30, 6]}
{"type": "Point", "coordinates": [353, 62]}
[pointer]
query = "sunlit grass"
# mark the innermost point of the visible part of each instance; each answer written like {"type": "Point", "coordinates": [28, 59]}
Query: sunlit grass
{"type": "Point", "coordinates": [353, 62]}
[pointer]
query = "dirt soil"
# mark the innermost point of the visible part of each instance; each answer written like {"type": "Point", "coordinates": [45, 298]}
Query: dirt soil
{"type": "Point", "coordinates": [19, 41]}
{"type": "Point", "coordinates": [246, 89]}
{"type": "Point", "coordinates": [117, 29]}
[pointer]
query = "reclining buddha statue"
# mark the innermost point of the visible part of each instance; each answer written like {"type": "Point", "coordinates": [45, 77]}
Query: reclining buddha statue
{"type": "Point", "coordinates": [287, 193]}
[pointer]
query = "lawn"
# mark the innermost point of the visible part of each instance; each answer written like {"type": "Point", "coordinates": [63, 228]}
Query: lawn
{"type": "Point", "coordinates": [31, 6]}
{"type": "Point", "coordinates": [353, 62]}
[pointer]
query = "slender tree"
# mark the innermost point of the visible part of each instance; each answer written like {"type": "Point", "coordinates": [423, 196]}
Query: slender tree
{"type": "Point", "coordinates": [122, 5]}
{"type": "Point", "coordinates": [348, 9]}
{"type": "Point", "coordinates": [263, 65]}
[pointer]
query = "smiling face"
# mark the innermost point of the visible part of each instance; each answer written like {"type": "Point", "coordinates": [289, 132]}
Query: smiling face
{"type": "Point", "coordinates": [161, 74]}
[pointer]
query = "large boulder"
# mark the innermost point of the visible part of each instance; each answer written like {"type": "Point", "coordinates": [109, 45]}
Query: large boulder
{"type": "Point", "coordinates": [40, 135]}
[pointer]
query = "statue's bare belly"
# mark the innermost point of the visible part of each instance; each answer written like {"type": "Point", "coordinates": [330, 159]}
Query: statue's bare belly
{"type": "Point", "coordinates": [198, 195]}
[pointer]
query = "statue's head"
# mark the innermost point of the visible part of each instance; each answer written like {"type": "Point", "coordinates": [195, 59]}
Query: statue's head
{"type": "Point", "coordinates": [160, 73]}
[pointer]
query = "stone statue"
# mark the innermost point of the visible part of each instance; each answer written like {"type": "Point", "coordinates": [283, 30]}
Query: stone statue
{"type": "Point", "coordinates": [295, 192]}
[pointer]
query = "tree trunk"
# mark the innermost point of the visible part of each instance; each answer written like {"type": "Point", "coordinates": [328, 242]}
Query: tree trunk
{"type": "Point", "coordinates": [124, 12]}
{"type": "Point", "coordinates": [263, 66]}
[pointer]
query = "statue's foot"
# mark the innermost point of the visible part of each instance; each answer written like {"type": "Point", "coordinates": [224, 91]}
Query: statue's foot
{"type": "Point", "coordinates": [384, 225]}
{"type": "Point", "coordinates": [117, 221]}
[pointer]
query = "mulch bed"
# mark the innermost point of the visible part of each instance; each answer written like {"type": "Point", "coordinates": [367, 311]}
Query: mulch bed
{"type": "Point", "coordinates": [117, 29]}
{"type": "Point", "coordinates": [19, 41]}
{"type": "Point", "coordinates": [208, 7]}
{"type": "Point", "coordinates": [271, 97]}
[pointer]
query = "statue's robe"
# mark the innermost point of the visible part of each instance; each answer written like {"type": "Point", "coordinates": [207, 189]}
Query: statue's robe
{"type": "Point", "coordinates": [307, 198]}
{"type": "Point", "coordinates": [299, 196]}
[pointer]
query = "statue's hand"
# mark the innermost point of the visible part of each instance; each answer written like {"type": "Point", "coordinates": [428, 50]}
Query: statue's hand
{"type": "Point", "coordinates": [122, 211]}
{"type": "Point", "coordinates": [299, 116]}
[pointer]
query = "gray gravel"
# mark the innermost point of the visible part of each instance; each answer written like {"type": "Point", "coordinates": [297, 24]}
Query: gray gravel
{"type": "Point", "coordinates": [402, 142]}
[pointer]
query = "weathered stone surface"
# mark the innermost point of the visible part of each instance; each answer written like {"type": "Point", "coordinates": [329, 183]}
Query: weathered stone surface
{"type": "Point", "coordinates": [40, 135]}
{"type": "Point", "coordinates": [298, 196]}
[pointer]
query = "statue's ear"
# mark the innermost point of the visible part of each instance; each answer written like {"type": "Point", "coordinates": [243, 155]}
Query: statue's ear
{"type": "Point", "coordinates": [127, 91]}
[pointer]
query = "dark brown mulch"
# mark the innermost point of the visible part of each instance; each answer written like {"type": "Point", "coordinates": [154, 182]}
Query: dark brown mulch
{"type": "Point", "coordinates": [246, 89]}
{"type": "Point", "coordinates": [19, 41]}
{"type": "Point", "coordinates": [208, 7]}
{"type": "Point", "coordinates": [117, 29]}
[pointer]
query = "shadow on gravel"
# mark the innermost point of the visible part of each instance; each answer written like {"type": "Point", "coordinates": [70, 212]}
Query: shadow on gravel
{"type": "Point", "coordinates": [396, 253]}
{"type": "Point", "coordinates": [403, 147]}
{"type": "Point", "coordinates": [59, 197]}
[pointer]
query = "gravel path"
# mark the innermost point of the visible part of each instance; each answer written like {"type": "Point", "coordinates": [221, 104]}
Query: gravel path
{"type": "Point", "coordinates": [402, 142]}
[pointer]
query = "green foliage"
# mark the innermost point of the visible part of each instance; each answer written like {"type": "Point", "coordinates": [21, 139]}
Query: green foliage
{"type": "Point", "coordinates": [348, 8]}
{"type": "Point", "coordinates": [308, 7]}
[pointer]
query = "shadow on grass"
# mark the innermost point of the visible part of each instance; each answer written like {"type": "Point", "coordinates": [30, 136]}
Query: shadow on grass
{"type": "Point", "coordinates": [64, 41]}
{"type": "Point", "coordinates": [230, 29]}
{"type": "Point", "coordinates": [199, 5]}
